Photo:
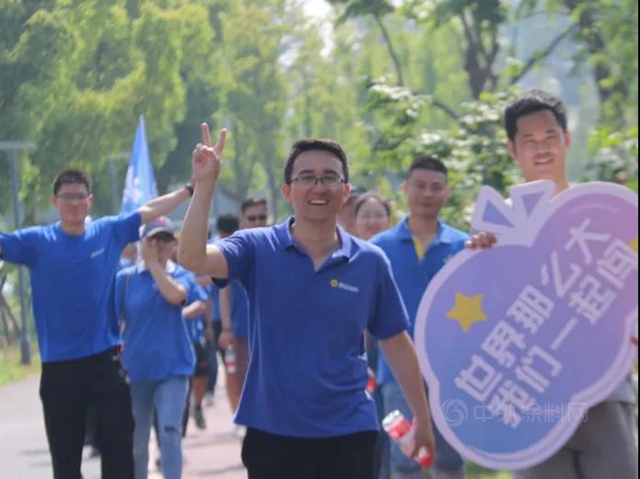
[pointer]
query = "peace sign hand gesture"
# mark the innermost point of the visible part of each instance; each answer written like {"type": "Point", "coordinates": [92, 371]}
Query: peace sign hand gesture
{"type": "Point", "coordinates": [206, 159]}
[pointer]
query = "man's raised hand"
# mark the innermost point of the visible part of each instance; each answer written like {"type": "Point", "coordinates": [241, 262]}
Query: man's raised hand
{"type": "Point", "coordinates": [206, 159]}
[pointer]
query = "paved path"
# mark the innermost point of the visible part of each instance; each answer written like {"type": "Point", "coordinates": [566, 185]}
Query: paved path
{"type": "Point", "coordinates": [213, 454]}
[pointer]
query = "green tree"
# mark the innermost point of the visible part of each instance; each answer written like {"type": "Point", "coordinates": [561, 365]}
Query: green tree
{"type": "Point", "coordinates": [254, 97]}
{"type": "Point", "coordinates": [377, 9]}
{"type": "Point", "coordinates": [607, 34]}
{"type": "Point", "coordinates": [91, 71]}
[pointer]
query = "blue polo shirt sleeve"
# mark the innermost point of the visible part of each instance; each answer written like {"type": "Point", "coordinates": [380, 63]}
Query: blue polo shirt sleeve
{"type": "Point", "coordinates": [20, 247]}
{"type": "Point", "coordinates": [238, 250]}
{"type": "Point", "coordinates": [390, 316]}
{"type": "Point", "coordinates": [127, 227]}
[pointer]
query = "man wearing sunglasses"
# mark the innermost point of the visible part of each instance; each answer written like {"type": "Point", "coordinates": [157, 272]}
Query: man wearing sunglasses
{"type": "Point", "coordinates": [313, 290]}
{"type": "Point", "coordinates": [254, 213]}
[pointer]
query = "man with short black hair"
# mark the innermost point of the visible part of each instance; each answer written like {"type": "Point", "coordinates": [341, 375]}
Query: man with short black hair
{"type": "Point", "coordinates": [313, 290]}
{"type": "Point", "coordinates": [418, 248]}
{"type": "Point", "coordinates": [605, 445]}
{"type": "Point", "coordinates": [226, 225]}
{"type": "Point", "coordinates": [539, 137]}
{"type": "Point", "coordinates": [73, 266]}
{"type": "Point", "coordinates": [254, 213]}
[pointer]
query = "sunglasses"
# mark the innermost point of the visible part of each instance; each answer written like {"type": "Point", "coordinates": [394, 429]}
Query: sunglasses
{"type": "Point", "coordinates": [254, 218]}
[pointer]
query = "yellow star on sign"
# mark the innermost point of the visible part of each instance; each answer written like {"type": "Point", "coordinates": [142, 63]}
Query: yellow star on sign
{"type": "Point", "coordinates": [634, 245]}
{"type": "Point", "coordinates": [467, 311]}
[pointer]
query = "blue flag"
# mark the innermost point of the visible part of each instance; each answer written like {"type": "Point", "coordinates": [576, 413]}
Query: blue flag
{"type": "Point", "coordinates": [140, 186]}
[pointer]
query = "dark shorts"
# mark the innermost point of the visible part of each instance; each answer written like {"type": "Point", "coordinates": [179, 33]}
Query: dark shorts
{"type": "Point", "coordinates": [217, 332]}
{"type": "Point", "coordinates": [202, 363]}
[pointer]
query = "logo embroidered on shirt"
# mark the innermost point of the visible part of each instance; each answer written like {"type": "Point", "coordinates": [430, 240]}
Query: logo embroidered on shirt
{"type": "Point", "coordinates": [95, 254]}
{"type": "Point", "coordinates": [346, 287]}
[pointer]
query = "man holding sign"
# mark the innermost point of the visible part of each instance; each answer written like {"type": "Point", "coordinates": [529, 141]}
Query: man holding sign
{"type": "Point", "coordinates": [313, 290]}
{"type": "Point", "coordinates": [604, 446]}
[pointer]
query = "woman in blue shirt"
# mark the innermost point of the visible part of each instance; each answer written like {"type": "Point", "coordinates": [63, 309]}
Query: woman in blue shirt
{"type": "Point", "coordinates": [158, 352]}
{"type": "Point", "coordinates": [373, 216]}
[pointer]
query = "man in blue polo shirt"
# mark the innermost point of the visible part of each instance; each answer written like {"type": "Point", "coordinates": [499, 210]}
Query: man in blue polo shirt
{"type": "Point", "coordinates": [73, 266]}
{"type": "Point", "coordinates": [605, 444]}
{"type": "Point", "coordinates": [418, 248]}
{"type": "Point", "coordinates": [313, 290]}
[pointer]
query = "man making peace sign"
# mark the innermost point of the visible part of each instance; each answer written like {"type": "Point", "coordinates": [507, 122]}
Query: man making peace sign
{"type": "Point", "coordinates": [313, 290]}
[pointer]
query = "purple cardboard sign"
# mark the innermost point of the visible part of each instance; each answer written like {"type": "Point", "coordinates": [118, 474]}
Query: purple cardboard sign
{"type": "Point", "coordinates": [518, 342]}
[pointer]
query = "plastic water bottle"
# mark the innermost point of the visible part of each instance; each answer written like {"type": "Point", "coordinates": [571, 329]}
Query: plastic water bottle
{"type": "Point", "coordinates": [230, 360]}
{"type": "Point", "coordinates": [400, 430]}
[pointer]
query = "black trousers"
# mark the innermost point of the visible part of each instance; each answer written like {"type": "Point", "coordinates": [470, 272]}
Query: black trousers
{"type": "Point", "coordinates": [68, 389]}
{"type": "Point", "coordinates": [267, 456]}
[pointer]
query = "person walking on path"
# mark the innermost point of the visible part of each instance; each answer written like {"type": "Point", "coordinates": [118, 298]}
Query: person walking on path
{"type": "Point", "coordinates": [605, 444]}
{"type": "Point", "coordinates": [373, 216]}
{"type": "Point", "coordinates": [313, 290]}
{"type": "Point", "coordinates": [158, 353]}
{"type": "Point", "coordinates": [73, 266]}
{"type": "Point", "coordinates": [198, 317]}
{"type": "Point", "coordinates": [226, 225]}
{"type": "Point", "coordinates": [418, 248]}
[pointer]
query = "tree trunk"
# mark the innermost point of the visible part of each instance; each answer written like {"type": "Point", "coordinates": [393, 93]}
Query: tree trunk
{"type": "Point", "coordinates": [392, 51]}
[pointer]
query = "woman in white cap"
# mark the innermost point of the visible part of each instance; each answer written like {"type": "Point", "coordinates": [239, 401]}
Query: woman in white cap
{"type": "Point", "coordinates": [158, 353]}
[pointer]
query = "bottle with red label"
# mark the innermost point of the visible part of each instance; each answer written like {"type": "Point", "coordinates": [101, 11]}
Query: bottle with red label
{"type": "Point", "coordinates": [400, 430]}
{"type": "Point", "coordinates": [230, 360]}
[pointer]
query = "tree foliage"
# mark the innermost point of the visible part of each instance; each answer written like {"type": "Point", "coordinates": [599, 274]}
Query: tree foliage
{"type": "Point", "coordinates": [75, 75]}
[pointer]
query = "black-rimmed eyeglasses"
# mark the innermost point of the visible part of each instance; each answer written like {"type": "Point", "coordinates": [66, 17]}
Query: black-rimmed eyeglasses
{"type": "Point", "coordinates": [310, 180]}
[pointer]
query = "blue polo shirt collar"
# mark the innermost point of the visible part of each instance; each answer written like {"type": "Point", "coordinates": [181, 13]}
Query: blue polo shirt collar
{"type": "Point", "coordinates": [445, 232]}
{"type": "Point", "coordinates": [286, 241]}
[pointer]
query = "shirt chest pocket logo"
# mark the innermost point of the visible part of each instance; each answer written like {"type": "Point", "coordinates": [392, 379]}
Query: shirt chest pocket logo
{"type": "Point", "coordinates": [344, 286]}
